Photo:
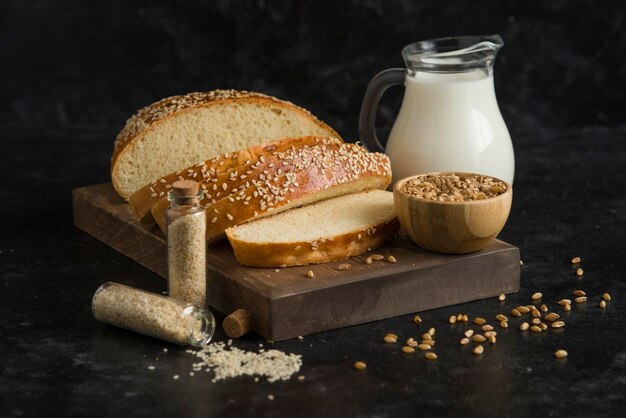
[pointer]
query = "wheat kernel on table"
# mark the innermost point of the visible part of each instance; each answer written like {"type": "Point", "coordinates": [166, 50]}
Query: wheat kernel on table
{"type": "Point", "coordinates": [524, 326]}
{"type": "Point", "coordinates": [564, 302]}
{"type": "Point", "coordinates": [567, 307]}
{"type": "Point", "coordinates": [378, 257]}
{"type": "Point", "coordinates": [360, 365]}
{"type": "Point", "coordinates": [578, 292]}
{"type": "Point", "coordinates": [310, 274]}
{"type": "Point", "coordinates": [478, 350]}
{"type": "Point", "coordinates": [516, 313]}
{"type": "Point", "coordinates": [452, 319]}
{"type": "Point", "coordinates": [465, 318]}
{"type": "Point", "coordinates": [431, 332]}
{"type": "Point", "coordinates": [392, 259]}
{"type": "Point", "coordinates": [521, 263]}
{"type": "Point", "coordinates": [560, 353]}
{"type": "Point", "coordinates": [479, 338]}
{"type": "Point", "coordinates": [535, 321]}
{"type": "Point", "coordinates": [602, 304]}
{"type": "Point", "coordinates": [487, 327]}
{"type": "Point", "coordinates": [504, 324]}
{"type": "Point", "coordinates": [390, 339]}
{"type": "Point", "coordinates": [579, 272]}
{"type": "Point", "coordinates": [430, 356]}
{"type": "Point", "coordinates": [576, 260]}
{"type": "Point", "coordinates": [543, 308]}
{"type": "Point", "coordinates": [492, 339]}
{"type": "Point", "coordinates": [459, 318]}
{"type": "Point", "coordinates": [501, 317]}
{"type": "Point", "coordinates": [464, 341]}
{"type": "Point", "coordinates": [558, 324]}
{"type": "Point", "coordinates": [469, 333]}
{"type": "Point", "coordinates": [417, 319]}
{"type": "Point", "coordinates": [501, 297]}
{"type": "Point", "coordinates": [424, 346]}
{"type": "Point", "coordinates": [581, 299]}
{"type": "Point", "coordinates": [536, 328]}
{"type": "Point", "coordinates": [523, 309]}
{"type": "Point", "coordinates": [480, 321]}
{"type": "Point", "coordinates": [368, 260]}
{"type": "Point", "coordinates": [543, 326]}
{"type": "Point", "coordinates": [606, 297]}
{"type": "Point", "coordinates": [426, 337]}
{"type": "Point", "coordinates": [552, 316]}
{"type": "Point", "coordinates": [408, 350]}
{"type": "Point", "coordinates": [536, 296]}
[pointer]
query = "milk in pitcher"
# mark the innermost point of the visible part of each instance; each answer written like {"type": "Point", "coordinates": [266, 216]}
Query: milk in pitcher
{"type": "Point", "coordinates": [449, 119]}
{"type": "Point", "coordinates": [457, 127]}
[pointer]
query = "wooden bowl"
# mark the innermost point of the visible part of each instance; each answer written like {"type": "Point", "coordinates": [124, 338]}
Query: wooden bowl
{"type": "Point", "coordinates": [452, 227]}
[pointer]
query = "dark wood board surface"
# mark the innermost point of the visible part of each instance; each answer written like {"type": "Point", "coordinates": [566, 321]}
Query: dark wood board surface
{"type": "Point", "coordinates": [285, 303]}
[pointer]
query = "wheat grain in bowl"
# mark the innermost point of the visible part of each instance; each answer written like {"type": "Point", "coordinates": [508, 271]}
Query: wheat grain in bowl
{"type": "Point", "coordinates": [452, 213]}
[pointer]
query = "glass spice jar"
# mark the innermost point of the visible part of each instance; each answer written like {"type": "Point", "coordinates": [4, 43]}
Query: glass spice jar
{"type": "Point", "coordinates": [186, 243]}
{"type": "Point", "coordinates": [152, 314]}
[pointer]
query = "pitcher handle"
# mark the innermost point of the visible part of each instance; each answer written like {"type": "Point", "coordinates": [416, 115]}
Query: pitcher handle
{"type": "Point", "coordinates": [375, 90]}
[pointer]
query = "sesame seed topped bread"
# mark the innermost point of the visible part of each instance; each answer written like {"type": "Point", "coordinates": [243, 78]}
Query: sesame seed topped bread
{"type": "Point", "coordinates": [179, 131]}
{"type": "Point", "coordinates": [221, 175]}
{"type": "Point", "coordinates": [338, 228]}
{"type": "Point", "coordinates": [305, 175]}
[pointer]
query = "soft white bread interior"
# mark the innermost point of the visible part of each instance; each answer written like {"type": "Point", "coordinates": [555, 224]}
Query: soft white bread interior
{"type": "Point", "coordinates": [179, 131]}
{"type": "Point", "coordinates": [328, 230]}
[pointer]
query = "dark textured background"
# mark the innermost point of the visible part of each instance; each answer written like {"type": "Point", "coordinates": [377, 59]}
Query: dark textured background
{"type": "Point", "coordinates": [71, 72]}
{"type": "Point", "coordinates": [81, 64]}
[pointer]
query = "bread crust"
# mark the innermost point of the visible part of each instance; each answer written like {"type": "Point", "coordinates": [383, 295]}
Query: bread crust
{"type": "Point", "coordinates": [301, 253]}
{"type": "Point", "coordinates": [233, 170]}
{"type": "Point", "coordinates": [314, 169]}
{"type": "Point", "coordinates": [152, 115]}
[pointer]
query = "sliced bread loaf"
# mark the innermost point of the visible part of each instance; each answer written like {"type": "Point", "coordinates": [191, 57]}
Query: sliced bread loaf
{"type": "Point", "coordinates": [305, 175]}
{"type": "Point", "coordinates": [221, 175]}
{"type": "Point", "coordinates": [179, 131]}
{"type": "Point", "coordinates": [329, 230]}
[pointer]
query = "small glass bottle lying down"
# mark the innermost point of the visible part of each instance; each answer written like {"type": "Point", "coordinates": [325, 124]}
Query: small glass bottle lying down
{"type": "Point", "coordinates": [152, 314]}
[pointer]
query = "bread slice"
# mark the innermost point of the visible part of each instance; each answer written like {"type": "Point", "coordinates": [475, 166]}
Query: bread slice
{"type": "Point", "coordinates": [329, 230]}
{"type": "Point", "coordinates": [179, 131]}
{"type": "Point", "coordinates": [222, 175]}
{"type": "Point", "coordinates": [305, 175]}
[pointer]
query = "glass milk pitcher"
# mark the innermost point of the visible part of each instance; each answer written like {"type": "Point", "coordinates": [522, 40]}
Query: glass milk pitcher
{"type": "Point", "coordinates": [449, 119]}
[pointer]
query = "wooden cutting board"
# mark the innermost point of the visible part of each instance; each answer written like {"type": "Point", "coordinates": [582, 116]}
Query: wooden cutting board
{"type": "Point", "coordinates": [285, 303]}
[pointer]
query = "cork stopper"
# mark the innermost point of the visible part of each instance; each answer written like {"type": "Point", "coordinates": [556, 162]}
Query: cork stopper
{"type": "Point", "coordinates": [237, 324]}
{"type": "Point", "coordinates": [185, 188]}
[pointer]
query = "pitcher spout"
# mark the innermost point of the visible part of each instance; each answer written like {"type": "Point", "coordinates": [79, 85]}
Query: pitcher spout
{"type": "Point", "coordinates": [453, 55]}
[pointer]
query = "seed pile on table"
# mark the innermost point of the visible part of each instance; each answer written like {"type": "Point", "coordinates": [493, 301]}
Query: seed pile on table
{"type": "Point", "coordinates": [453, 188]}
{"type": "Point", "coordinates": [226, 361]}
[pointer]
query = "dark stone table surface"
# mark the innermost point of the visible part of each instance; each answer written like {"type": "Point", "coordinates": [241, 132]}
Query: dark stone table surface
{"type": "Point", "coordinates": [56, 360]}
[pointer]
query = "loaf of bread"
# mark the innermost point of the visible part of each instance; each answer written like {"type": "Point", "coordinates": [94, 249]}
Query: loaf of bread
{"type": "Point", "coordinates": [329, 230]}
{"type": "Point", "coordinates": [222, 175]}
{"type": "Point", "coordinates": [180, 131]}
{"type": "Point", "coordinates": [300, 176]}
